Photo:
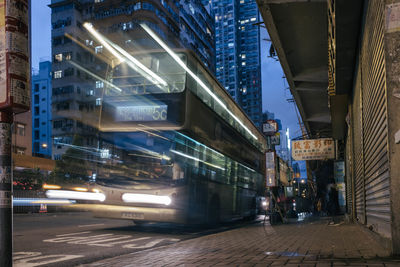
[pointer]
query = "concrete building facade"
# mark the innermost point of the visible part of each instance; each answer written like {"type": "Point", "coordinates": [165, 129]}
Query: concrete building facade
{"type": "Point", "coordinates": [41, 111]}
{"type": "Point", "coordinates": [182, 24]}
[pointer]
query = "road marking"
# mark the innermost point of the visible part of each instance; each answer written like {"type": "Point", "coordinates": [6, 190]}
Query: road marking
{"type": "Point", "coordinates": [75, 239]}
{"type": "Point", "coordinates": [23, 255]}
{"type": "Point", "coordinates": [91, 225]}
{"type": "Point", "coordinates": [130, 240]}
{"type": "Point", "coordinates": [32, 259]}
{"type": "Point", "coordinates": [96, 242]}
{"type": "Point", "coordinates": [150, 244]}
{"type": "Point", "coordinates": [104, 240]}
{"type": "Point", "coordinates": [77, 233]}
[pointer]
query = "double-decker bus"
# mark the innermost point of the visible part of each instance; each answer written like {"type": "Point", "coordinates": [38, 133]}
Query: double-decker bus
{"type": "Point", "coordinates": [173, 144]}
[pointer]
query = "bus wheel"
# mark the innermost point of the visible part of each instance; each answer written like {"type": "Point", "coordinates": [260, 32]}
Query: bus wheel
{"type": "Point", "coordinates": [213, 213]}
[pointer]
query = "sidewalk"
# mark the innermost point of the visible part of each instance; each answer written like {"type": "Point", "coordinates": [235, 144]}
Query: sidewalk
{"type": "Point", "coordinates": [304, 244]}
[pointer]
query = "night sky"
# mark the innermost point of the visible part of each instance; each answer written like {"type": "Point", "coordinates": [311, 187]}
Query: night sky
{"type": "Point", "coordinates": [275, 90]}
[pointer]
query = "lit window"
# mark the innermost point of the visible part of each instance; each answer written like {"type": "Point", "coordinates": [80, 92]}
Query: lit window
{"type": "Point", "coordinates": [191, 8]}
{"type": "Point", "coordinates": [242, 1]}
{"type": "Point", "coordinates": [98, 101]}
{"type": "Point", "coordinates": [98, 49]}
{"type": "Point", "coordinates": [243, 63]}
{"type": "Point", "coordinates": [243, 56]}
{"type": "Point", "coordinates": [68, 55]}
{"type": "Point", "coordinates": [89, 42]}
{"type": "Point", "coordinates": [57, 74]}
{"type": "Point", "coordinates": [253, 19]}
{"type": "Point", "coordinates": [90, 92]}
{"type": "Point", "coordinates": [58, 57]}
{"type": "Point", "coordinates": [99, 84]}
{"type": "Point", "coordinates": [21, 129]}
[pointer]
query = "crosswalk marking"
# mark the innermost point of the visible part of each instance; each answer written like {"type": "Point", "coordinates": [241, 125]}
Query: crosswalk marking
{"type": "Point", "coordinates": [32, 259]}
{"type": "Point", "coordinates": [126, 241]}
{"type": "Point", "coordinates": [77, 233]}
{"type": "Point", "coordinates": [108, 240]}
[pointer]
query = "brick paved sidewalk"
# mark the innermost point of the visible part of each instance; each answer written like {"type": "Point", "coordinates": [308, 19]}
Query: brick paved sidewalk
{"type": "Point", "coordinates": [306, 244]}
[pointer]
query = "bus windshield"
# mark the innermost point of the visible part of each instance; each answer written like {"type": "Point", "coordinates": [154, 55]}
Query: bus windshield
{"type": "Point", "coordinates": [133, 158]}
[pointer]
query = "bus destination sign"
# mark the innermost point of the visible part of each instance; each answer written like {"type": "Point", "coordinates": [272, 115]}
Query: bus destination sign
{"type": "Point", "coordinates": [141, 113]}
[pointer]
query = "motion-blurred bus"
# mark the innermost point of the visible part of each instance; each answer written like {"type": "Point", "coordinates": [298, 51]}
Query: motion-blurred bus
{"type": "Point", "coordinates": [173, 146]}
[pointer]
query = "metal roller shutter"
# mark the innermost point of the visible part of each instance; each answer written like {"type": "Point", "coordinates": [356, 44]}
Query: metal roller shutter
{"type": "Point", "coordinates": [349, 172]}
{"type": "Point", "coordinates": [374, 118]}
{"type": "Point", "coordinates": [358, 151]}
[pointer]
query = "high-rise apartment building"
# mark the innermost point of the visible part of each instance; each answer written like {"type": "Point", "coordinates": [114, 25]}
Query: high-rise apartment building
{"type": "Point", "coordinates": [81, 66]}
{"type": "Point", "coordinates": [41, 111]}
{"type": "Point", "coordinates": [237, 42]}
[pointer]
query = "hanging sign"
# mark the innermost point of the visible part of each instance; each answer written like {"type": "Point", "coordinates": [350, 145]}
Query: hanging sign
{"type": "Point", "coordinates": [270, 127]}
{"type": "Point", "coordinates": [276, 139]}
{"type": "Point", "coordinates": [313, 149]}
{"type": "Point", "coordinates": [270, 169]}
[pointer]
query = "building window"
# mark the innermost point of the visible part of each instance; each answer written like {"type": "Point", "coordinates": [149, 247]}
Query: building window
{"type": "Point", "coordinates": [21, 129]}
{"type": "Point", "coordinates": [69, 72]}
{"type": "Point", "coordinates": [58, 74]}
{"type": "Point", "coordinates": [20, 151]}
{"type": "Point", "coordinates": [99, 84]}
{"type": "Point", "coordinates": [36, 99]}
{"type": "Point", "coordinates": [36, 135]}
{"type": "Point", "coordinates": [36, 123]}
{"type": "Point", "coordinates": [98, 49]}
{"type": "Point", "coordinates": [98, 101]}
{"type": "Point", "coordinates": [36, 87]}
{"type": "Point", "coordinates": [36, 111]}
{"type": "Point", "coordinates": [36, 147]}
{"type": "Point", "coordinates": [58, 57]}
{"type": "Point", "coordinates": [89, 42]}
{"type": "Point", "coordinates": [68, 55]}
{"type": "Point", "coordinates": [57, 124]}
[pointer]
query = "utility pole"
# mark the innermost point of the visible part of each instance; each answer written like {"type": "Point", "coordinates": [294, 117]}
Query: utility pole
{"type": "Point", "coordinates": [15, 87]}
{"type": "Point", "coordinates": [5, 190]}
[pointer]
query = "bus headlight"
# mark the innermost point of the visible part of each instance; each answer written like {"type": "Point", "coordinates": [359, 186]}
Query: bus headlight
{"type": "Point", "coordinates": [146, 198]}
{"type": "Point", "coordinates": [67, 194]}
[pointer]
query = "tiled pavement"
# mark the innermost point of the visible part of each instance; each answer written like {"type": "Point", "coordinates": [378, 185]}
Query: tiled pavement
{"type": "Point", "coordinates": [306, 244]}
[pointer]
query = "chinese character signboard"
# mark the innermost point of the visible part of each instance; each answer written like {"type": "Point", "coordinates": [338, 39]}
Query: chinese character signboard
{"type": "Point", "coordinates": [276, 139]}
{"type": "Point", "coordinates": [270, 127]}
{"type": "Point", "coordinates": [270, 168]}
{"type": "Point", "coordinates": [14, 56]}
{"type": "Point", "coordinates": [283, 172]}
{"type": "Point", "coordinates": [314, 149]}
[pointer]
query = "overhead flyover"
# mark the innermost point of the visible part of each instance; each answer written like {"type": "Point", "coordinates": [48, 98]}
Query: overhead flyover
{"type": "Point", "coordinates": [316, 41]}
